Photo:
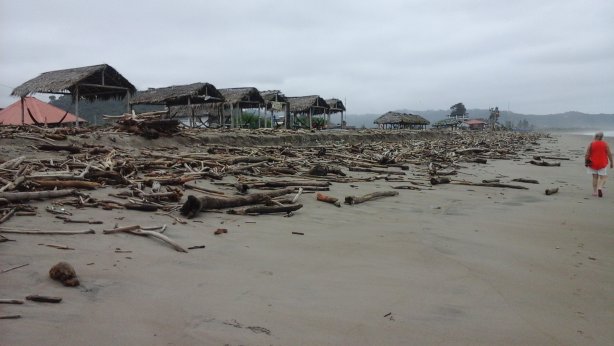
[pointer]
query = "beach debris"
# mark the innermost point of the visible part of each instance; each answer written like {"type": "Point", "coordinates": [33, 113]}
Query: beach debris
{"type": "Point", "coordinates": [328, 199]}
{"type": "Point", "coordinates": [509, 186]}
{"type": "Point", "coordinates": [298, 233]}
{"type": "Point", "coordinates": [352, 200]}
{"type": "Point", "coordinates": [220, 231]}
{"type": "Point", "coordinates": [66, 219]}
{"type": "Point", "coordinates": [523, 180]}
{"type": "Point", "coordinates": [137, 230]}
{"type": "Point", "coordinates": [257, 210]}
{"type": "Point", "coordinates": [552, 191]}
{"type": "Point", "coordinates": [40, 232]}
{"type": "Point", "coordinates": [13, 268]}
{"type": "Point", "coordinates": [11, 301]}
{"type": "Point", "coordinates": [439, 180]}
{"type": "Point", "coordinates": [64, 273]}
{"type": "Point", "coordinates": [406, 187]}
{"type": "Point", "coordinates": [58, 246]}
{"type": "Point", "coordinates": [545, 164]}
{"type": "Point", "coordinates": [9, 317]}
{"type": "Point", "coordinates": [26, 196]}
{"type": "Point", "coordinates": [194, 204]}
{"type": "Point", "coordinates": [44, 299]}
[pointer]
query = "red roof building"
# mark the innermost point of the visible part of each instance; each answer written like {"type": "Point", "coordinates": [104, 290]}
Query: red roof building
{"type": "Point", "coordinates": [475, 124]}
{"type": "Point", "coordinates": [36, 112]}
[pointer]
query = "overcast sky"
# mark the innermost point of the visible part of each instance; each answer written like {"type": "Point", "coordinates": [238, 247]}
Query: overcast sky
{"type": "Point", "coordinates": [537, 57]}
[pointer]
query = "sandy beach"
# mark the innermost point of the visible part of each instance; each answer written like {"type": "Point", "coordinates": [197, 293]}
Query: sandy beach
{"type": "Point", "coordinates": [446, 265]}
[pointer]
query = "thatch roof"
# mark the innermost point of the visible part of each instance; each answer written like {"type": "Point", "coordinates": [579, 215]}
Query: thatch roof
{"type": "Point", "coordinates": [336, 106]}
{"type": "Point", "coordinates": [98, 82]}
{"type": "Point", "coordinates": [401, 118]}
{"type": "Point", "coordinates": [447, 122]}
{"type": "Point", "coordinates": [179, 95]}
{"type": "Point", "coordinates": [273, 96]}
{"type": "Point", "coordinates": [302, 104]}
{"type": "Point", "coordinates": [242, 97]}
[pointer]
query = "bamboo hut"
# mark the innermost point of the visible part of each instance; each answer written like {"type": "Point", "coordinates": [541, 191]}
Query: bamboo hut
{"type": "Point", "coordinates": [397, 120]}
{"type": "Point", "coordinates": [275, 101]}
{"type": "Point", "coordinates": [307, 106]}
{"type": "Point", "coordinates": [180, 100]}
{"type": "Point", "coordinates": [335, 106]}
{"type": "Point", "coordinates": [97, 82]}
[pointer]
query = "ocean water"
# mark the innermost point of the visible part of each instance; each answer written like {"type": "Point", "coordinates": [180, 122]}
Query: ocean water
{"type": "Point", "coordinates": [608, 134]}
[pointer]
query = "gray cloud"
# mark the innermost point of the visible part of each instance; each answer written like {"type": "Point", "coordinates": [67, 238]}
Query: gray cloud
{"type": "Point", "coordinates": [539, 57]}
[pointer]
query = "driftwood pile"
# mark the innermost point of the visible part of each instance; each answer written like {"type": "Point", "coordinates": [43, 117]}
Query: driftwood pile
{"type": "Point", "coordinates": [157, 179]}
{"type": "Point", "coordinates": [149, 125]}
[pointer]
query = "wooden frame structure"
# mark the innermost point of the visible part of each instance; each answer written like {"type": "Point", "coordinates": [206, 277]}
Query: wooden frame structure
{"type": "Point", "coordinates": [398, 120]}
{"type": "Point", "coordinates": [275, 100]}
{"type": "Point", "coordinates": [335, 106]}
{"type": "Point", "coordinates": [238, 99]}
{"type": "Point", "coordinates": [306, 105]}
{"type": "Point", "coordinates": [97, 82]}
{"type": "Point", "coordinates": [189, 95]}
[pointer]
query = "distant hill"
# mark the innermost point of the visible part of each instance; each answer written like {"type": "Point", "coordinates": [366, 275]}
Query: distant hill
{"type": "Point", "coordinates": [561, 121]}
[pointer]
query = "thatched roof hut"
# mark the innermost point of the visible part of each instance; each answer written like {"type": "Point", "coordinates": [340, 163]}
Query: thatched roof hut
{"type": "Point", "coordinates": [449, 122]}
{"type": "Point", "coordinates": [98, 82]}
{"type": "Point", "coordinates": [178, 95]}
{"type": "Point", "coordinates": [401, 120]}
{"type": "Point", "coordinates": [242, 97]}
{"type": "Point", "coordinates": [336, 106]}
{"type": "Point", "coordinates": [312, 104]}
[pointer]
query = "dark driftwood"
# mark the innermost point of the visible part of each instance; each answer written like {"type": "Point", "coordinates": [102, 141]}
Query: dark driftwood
{"type": "Point", "coordinates": [195, 204]}
{"type": "Point", "coordinates": [140, 206]}
{"type": "Point", "coordinates": [351, 200]}
{"type": "Point", "coordinates": [266, 209]}
{"type": "Point", "coordinates": [77, 184]}
{"type": "Point", "coordinates": [26, 196]}
{"type": "Point", "coordinates": [544, 163]}
{"type": "Point", "coordinates": [54, 147]}
{"type": "Point", "coordinates": [374, 170]}
{"type": "Point", "coordinates": [439, 180]}
{"type": "Point", "coordinates": [286, 183]}
{"type": "Point", "coordinates": [552, 191]}
{"type": "Point", "coordinates": [406, 187]}
{"type": "Point", "coordinates": [523, 180]}
{"type": "Point", "coordinates": [491, 185]}
{"type": "Point", "coordinates": [44, 299]}
{"type": "Point", "coordinates": [11, 301]}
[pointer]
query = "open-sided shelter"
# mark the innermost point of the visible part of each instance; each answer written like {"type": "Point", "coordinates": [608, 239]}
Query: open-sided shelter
{"type": "Point", "coordinates": [275, 101]}
{"type": "Point", "coordinates": [398, 120]}
{"type": "Point", "coordinates": [335, 106]}
{"type": "Point", "coordinates": [183, 98]}
{"type": "Point", "coordinates": [97, 82]}
{"type": "Point", "coordinates": [235, 100]}
{"type": "Point", "coordinates": [38, 113]}
{"type": "Point", "coordinates": [307, 106]}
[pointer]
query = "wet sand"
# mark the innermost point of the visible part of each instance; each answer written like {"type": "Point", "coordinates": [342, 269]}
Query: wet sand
{"type": "Point", "coordinates": [452, 265]}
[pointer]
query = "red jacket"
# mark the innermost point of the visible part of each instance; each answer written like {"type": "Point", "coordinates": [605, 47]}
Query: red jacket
{"type": "Point", "coordinates": [598, 155]}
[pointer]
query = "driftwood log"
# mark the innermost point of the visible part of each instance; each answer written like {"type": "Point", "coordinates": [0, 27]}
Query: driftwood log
{"type": "Point", "coordinates": [351, 200]}
{"type": "Point", "coordinates": [509, 186]}
{"type": "Point", "coordinates": [194, 204]}
{"type": "Point", "coordinates": [39, 232]}
{"type": "Point", "coordinates": [523, 180]}
{"type": "Point", "coordinates": [266, 209]}
{"type": "Point", "coordinates": [440, 180]}
{"type": "Point", "coordinates": [43, 299]}
{"type": "Point", "coordinates": [328, 199]}
{"type": "Point", "coordinates": [26, 196]}
{"type": "Point", "coordinates": [545, 164]}
{"type": "Point", "coordinates": [77, 184]}
{"type": "Point", "coordinates": [552, 191]}
{"type": "Point", "coordinates": [137, 230]}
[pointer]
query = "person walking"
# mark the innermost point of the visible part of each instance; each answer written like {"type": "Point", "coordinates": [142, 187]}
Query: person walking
{"type": "Point", "coordinates": [596, 161]}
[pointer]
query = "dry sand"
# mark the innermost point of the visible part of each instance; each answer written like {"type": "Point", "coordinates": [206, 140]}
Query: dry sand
{"type": "Point", "coordinates": [455, 265]}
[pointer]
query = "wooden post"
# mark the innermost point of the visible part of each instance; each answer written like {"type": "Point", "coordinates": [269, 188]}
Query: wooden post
{"type": "Point", "coordinates": [77, 105]}
{"type": "Point", "coordinates": [23, 114]}
{"type": "Point", "coordinates": [232, 117]}
{"type": "Point", "coordinates": [192, 112]}
{"type": "Point", "coordinates": [310, 123]}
